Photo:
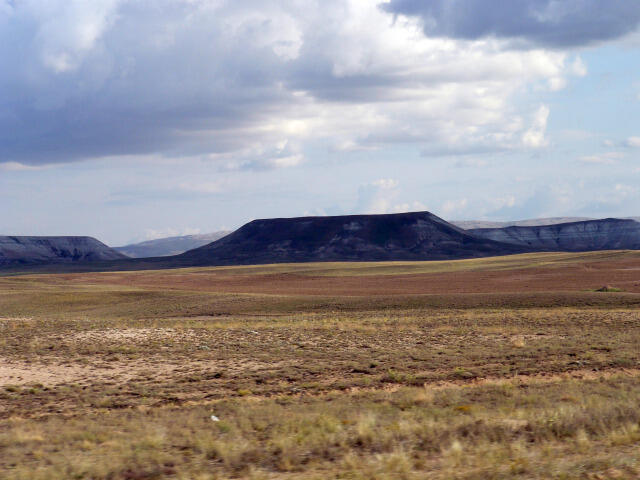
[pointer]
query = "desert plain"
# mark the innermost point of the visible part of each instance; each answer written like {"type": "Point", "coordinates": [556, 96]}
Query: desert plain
{"type": "Point", "coordinates": [505, 367]}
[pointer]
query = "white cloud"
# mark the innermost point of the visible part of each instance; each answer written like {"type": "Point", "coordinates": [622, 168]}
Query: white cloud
{"type": "Point", "coordinates": [452, 208]}
{"type": "Point", "coordinates": [577, 135]}
{"type": "Point", "coordinates": [633, 142]}
{"type": "Point", "coordinates": [377, 196]}
{"type": "Point", "coordinates": [202, 187]}
{"type": "Point", "coordinates": [608, 158]}
{"type": "Point", "coordinates": [548, 200]}
{"type": "Point", "coordinates": [414, 206]}
{"type": "Point", "coordinates": [229, 80]}
{"type": "Point", "coordinates": [535, 136]}
{"type": "Point", "coordinates": [380, 196]}
{"type": "Point", "coordinates": [154, 234]}
{"type": "Point", "coordinates": [625, 190]}
{"type": "Point", "coordinates": [385, 183]}
{"type": "Point", "coordinates": [280, 33]}
{"type": "Point", "coordinates": [471, 162]}
{"type": "Point", "coordinates": [260, 156]}
{"type": "Point", "coordinates": [507, 201]}
{"type": "Point", "coordinates": [557, 83]}
{"type": "Point", "coordinates": [16, 167]}
{"type": "Point", "coordinates": [289, 161]}
{"type": "Point", "coordinates": [67, 31]}
{"type": "Point", "coordinates": [578, 68]}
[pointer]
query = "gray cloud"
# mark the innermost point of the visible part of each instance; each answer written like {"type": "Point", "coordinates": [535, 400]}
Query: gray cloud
{"type": "Point", "coordinates": [233, 82]}
{"type": "Point", "coordinates": [549, 23]}
{"type": "Point", "coordinates": [134, 78]}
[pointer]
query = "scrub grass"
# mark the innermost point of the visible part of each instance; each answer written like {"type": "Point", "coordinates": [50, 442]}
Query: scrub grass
{"type": "Point", "coordinates": [562, 429]}
{"type": "Point", "coordinates": [116, 376]}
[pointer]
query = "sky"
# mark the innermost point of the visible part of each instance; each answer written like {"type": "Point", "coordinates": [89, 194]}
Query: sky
{"type": "Point", "coordinates": [130, 120]}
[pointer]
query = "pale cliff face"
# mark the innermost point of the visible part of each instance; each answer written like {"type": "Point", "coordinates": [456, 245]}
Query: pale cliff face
{"type": "Point", "coordinates": [606, 234]}
{"type": "Point", "coordinates": [532, 222]}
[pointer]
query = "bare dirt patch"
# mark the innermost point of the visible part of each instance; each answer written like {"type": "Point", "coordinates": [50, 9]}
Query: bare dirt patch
{"type": "Point", "coordinates": [22, 373]}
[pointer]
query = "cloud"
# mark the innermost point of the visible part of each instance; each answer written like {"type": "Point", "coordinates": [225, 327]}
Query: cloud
{"type": "Point", "coordinates": [153, 234]}
{"type": "Point", "coordinates": [17, 167]}
{"type": "Point", "coordinates": [608, 158]}
{"type": "Point", "coordinates": [633, 142]}
{"type": "Point", "coordinates": [578, 68]}
{"type": "Point", "coordinates": [630, 142]}
{"type": "Point", "coordinates": [624, 191]}
{"type": "Point", "coordinates": [535, 136]}
{"type": "Point", "coordinates": [546, 201]}
{"type": "Point", "coordinates": [470, 162]}
{"type": "Point", "coordinates": [67, 32]}
{"type": "Point", "coordinates": [252, 85]}
{"type": "Point", "coordinates": [557, 83]}
{"type": "Point", "coordinates": [264, 156]}
{"type": "Point", "coordinates": [377, 196]}
{"type": "Point", "coordinates": [385, 184]}
{"type": "Point", "coordinates": [200, 187]}
{"type": "Point", "coordinates": [380, 196]}
{"type": "Point", "coordinates": [454, 208]}
{"type": "Point", "coordinates": [414, 206]}
{"type": "Point", "coordinates": [548, 23]}
{"type": "Point", "coordinates": [612, 201]}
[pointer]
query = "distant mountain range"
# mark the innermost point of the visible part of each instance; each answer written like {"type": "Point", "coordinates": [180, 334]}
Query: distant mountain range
{"type": "Point", "coordinates": [163, 247]}
{"type": "Point", "coordinates": [15, 251]}
{"type": "Point", "coordinates": [403, 236]}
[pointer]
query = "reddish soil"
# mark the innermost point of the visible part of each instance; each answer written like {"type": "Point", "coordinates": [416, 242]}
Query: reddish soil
{"type": "Point", "coordinates": [623, 274]}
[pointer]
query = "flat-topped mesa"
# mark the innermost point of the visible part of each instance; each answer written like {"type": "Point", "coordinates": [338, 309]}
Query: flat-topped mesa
{"type": "Point", "coordinates": [605, 234]}
{"type": "Point", "coordinates": [28, 250]}
{"type": "Point", "coordinates": [402, 236]}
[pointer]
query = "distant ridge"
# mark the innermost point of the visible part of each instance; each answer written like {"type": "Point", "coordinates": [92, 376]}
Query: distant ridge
{"type": "Point", "coordinates": [163, 247]}
{"type": "Point", "coordinates": [27, 250]}
{"type": "Point", "coordinates": [402, 236]}
{"type": "Point", "coordinates": [531, 222]}
{"type": "Point", "coordinates": [605, 234]}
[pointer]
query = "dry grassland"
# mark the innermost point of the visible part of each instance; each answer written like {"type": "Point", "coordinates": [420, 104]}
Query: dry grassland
{"type": "Point", "coordinates": [512, 367]}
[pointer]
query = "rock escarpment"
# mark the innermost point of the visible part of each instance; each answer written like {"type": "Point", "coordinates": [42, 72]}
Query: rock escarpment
{"type": "Point", "coordinates": [15, 250]}
{"type": "Point", "coordinates": [605, 234]}
{"type": "Point", "coordinates": [531, 222]}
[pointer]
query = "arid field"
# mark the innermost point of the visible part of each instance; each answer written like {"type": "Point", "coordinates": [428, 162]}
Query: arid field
{"type": "Point", "coordinates": [507, 367]}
